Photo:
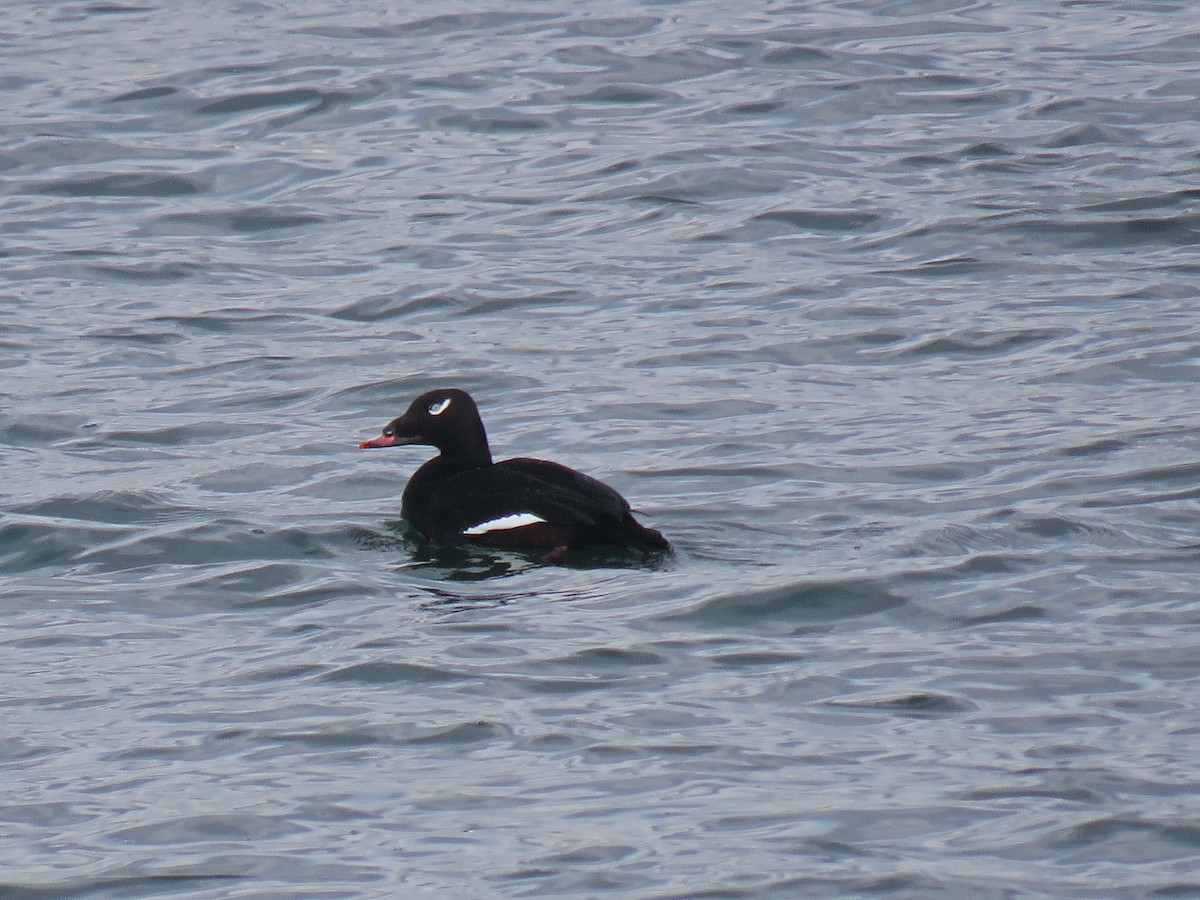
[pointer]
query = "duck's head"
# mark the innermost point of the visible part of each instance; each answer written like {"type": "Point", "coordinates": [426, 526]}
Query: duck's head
{"type": "Point", "coordinates": [446, 418]}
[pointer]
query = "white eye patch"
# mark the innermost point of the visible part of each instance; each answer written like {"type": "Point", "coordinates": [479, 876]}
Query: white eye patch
{"type": "Point", "coordinates": [436, 409]}
{"type": "Point", "coordinates": [516, 520]}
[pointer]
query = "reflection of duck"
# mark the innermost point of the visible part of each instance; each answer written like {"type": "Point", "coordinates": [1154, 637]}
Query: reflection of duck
{"type": "Point", "coordinates": [461, 495]}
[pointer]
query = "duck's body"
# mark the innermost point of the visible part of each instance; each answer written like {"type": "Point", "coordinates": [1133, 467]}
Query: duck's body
{"type": "Point", "coordinates": [462, 496]}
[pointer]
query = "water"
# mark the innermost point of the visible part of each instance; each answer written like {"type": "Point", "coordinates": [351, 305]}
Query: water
{"type": "Point", "coordinates": [885, 313]}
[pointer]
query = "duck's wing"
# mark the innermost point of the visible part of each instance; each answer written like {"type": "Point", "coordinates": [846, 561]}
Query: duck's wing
{"type": "Point", "coordinates": [522, 492]}
{"type": "Point", "coordinates": [611, 519]}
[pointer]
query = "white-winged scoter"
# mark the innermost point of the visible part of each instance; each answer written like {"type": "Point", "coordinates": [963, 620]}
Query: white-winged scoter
{"type": "Point", "coordinates": [462, 496]}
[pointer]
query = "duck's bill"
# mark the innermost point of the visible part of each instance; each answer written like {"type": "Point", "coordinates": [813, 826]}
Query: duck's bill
{"type": "Point", "coordinates": [391, 440]}
{"type": "Point", "coordinates": [384, 440]}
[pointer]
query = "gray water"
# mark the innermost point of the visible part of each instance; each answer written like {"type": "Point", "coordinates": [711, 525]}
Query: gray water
{"type": "Point", "coordinates": [885, 313]}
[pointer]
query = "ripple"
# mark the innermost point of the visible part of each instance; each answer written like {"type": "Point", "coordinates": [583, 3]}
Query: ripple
{"type": "Point", "coordinates": [918, 705]}
{"type": "Point", "coordinates": [313, 99]}
{"type": "Point", "coordinates": [191, 829]}
{"type": "Point", "coordinates": [249, 220]}
{"type": "Point", "coordinates": [466, 733]}
{"type": "Point", "coordinates": [622, 95]}
{"type": "Point", "coordinates": [979, 343]}
{"type": "Point", "coordinates": [793, 605]}
{"type": "Point", "coordinates": [392, 673]}
{"type": "Point", "coordinates": [133, 184]}
{"type": "Point", "coordinates": [818, 219]}
{"type": "Point", "coordinates": [132, 884]}
{"type": "Point", "coordinates": [797, 54]}
{"type": "Point", "coordinates": [110, 507]}
{"type": "Point", "coordinates": [29, 546]}
{"type": "Point", "coordinates": [1100, 234]}
{"type": "Point", "coordinates": [667, 67]}
{"type": "Point", "coordinates": [496, 120]}
{"type": "Point", "coordinates": [160, 273]}
{"type": "Point", "coordinates": [142, 94]}
{"type": "Point", "coordinates": [1125, 839]}
{"type": "Point", "coordinates": [1163, 200]}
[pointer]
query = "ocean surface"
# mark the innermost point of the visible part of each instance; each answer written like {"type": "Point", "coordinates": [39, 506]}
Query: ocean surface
{"type": "Point", "coordinates": [886, 313]}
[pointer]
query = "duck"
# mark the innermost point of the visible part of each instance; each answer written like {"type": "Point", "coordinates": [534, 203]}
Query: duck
{"type": "Point", "coordinates": [463, 496]}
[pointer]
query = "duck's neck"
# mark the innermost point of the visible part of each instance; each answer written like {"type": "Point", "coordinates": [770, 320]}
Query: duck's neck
{"type": "Point", "coordinates": [470, 450]}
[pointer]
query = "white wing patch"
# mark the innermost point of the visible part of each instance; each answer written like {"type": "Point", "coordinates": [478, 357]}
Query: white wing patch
{"type": "Point", "coordinates": [504, 523]}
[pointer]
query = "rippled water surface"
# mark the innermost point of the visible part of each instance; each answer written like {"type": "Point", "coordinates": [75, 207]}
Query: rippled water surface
{"type": "Point", "coordinates": [885, 313]}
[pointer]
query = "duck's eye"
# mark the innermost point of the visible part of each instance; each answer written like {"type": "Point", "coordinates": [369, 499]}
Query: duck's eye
{"type": "Point", "coordinates": [436, 409]}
